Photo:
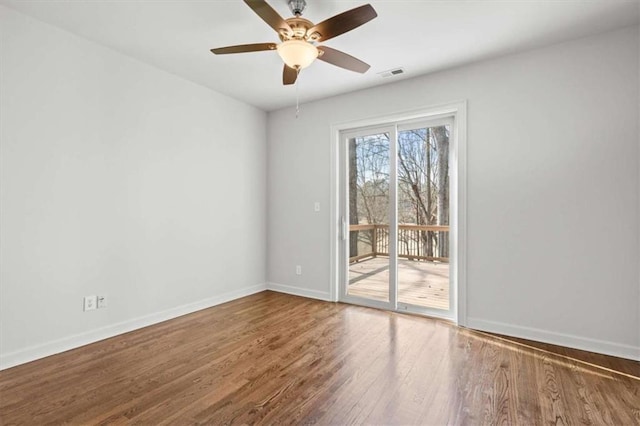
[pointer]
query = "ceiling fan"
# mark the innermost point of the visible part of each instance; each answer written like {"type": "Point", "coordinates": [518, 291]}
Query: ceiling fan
{"type": "Point", "coordinates": [299, 37]}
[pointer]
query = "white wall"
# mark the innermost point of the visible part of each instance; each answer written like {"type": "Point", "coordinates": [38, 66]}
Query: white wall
{"type": "Point", "coordinates": [117, 179]}
{"type": "Point", "coordinates": [553, 213]}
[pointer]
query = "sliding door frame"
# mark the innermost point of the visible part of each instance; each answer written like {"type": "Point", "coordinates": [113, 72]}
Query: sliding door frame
{"type": "Point", "coordinates": [458, 184]}
{"type": "Point", "coordinates": [431, 122]}
{"type": "Point", "coordinates": [343, 273]}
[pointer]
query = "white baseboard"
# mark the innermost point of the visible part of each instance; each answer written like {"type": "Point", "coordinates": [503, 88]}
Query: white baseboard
{"type": "Point", "coordinates": [297, 291]}
{"type": "Point", "coordinates": [568, 340]}
{"type": "Point", "coordinates": [61, 345]}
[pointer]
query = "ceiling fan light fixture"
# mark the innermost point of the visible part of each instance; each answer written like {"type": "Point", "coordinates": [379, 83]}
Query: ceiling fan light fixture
{"type": "Point", "coordinates": [297, 54]}
{"type": "Point", "coordinates": [299, 36]}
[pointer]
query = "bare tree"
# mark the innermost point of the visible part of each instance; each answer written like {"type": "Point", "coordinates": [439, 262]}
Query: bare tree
{"type": "Point", "coordinates": [353, 199]}
{"type": "Point", "coordinates": [423, 187]}
{"type": "Point", "coordinates": [441, 135]}
{"type": "Point", "coordinates": [373, 185]}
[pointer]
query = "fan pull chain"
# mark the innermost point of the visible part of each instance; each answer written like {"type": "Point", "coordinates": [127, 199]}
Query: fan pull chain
{"type": "Point", "coordinates": [297, 94]}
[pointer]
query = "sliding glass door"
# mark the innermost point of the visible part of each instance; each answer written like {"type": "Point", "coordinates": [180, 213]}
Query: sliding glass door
{"type": "Point", "coordinates": [423, 216]}
{"type": "Point", "coordinates": [367, 215]}
{"type": "Point", "coordinates": [394, 216]}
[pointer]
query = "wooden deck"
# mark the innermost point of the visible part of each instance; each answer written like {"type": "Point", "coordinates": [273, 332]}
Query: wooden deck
{"type": "Point", "coordinates": [420, 283]}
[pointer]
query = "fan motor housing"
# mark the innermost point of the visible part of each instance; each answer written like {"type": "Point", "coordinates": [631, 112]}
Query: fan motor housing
{"type": "Point", "coordinates": [299, 30]}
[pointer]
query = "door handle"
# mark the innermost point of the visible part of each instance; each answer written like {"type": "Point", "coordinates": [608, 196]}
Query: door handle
{"type": "Point", "coordinates": [343, 229]}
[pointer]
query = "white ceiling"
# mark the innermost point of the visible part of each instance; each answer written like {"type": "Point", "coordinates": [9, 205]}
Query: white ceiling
{"type": "Point", "coordinates": [420, 36]}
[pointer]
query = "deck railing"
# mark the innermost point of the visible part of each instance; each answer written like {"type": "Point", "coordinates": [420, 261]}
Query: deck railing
{"type": "Point", "coordinates": [415, 242]}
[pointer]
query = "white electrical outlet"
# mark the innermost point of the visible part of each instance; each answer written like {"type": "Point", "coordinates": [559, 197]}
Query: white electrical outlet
{"type": "Point", "coordinates": [298, 270]}
{"type": "Point", "coordinates": [90, 303]}
{"type": "Point", "coordinates": [102, 302]}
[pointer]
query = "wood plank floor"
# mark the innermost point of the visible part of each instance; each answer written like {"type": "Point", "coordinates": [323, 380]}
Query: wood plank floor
{"type": "Point", "coordinates": [420, 283]}
{"type": "Point", "coordinates": [274, 358]}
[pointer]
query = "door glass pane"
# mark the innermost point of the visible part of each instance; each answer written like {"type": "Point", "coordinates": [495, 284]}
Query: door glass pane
{"type": "Point", "coordinates": [368, 188]}
{"type": "Point", "coordinates": [423, 217]}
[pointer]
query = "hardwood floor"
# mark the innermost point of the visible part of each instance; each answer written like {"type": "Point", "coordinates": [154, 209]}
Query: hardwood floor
{"type": "Point", "coordinates": [274, 358]}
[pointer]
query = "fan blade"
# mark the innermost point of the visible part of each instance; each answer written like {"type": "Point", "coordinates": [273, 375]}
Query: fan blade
{"type": "Point", "coordinates": [242, 48]}
{"type": "Point", "coordinates": [343, 22]}
{"type": "Point", "coordinates": [289, 75]}
{"type": "Point", "coordinates": [268, 15]}
{"type": "Point", "coordinates": [342, 60]}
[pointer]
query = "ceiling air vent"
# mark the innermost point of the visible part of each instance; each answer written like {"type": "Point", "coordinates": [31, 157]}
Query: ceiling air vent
{"type": "Point", "coordinates": [391, 73]}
